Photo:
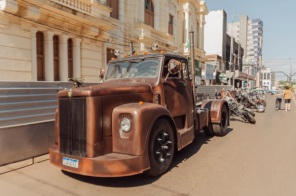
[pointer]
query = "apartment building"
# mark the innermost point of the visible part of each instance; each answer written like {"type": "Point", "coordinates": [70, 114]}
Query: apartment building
{"type": "Point", "coordinates": [249, 33]}
{"type": "Point", "coordinates": [228, 49]}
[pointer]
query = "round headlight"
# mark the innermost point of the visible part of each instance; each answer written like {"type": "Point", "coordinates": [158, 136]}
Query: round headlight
{"type": "Point", "coordinates": [125, 124]}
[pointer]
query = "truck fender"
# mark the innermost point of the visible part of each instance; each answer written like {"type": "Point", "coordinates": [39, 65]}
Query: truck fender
{"type": "Point", "coordinates": [215, 106]}
{"type": "Point", "coordinates": [143, 116]}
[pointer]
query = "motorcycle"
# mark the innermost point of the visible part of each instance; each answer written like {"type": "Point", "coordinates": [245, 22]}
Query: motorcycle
{"type": "Point", "coordinates": [252, 102]}
{"type": "Point", "coordinates": [239, 111]}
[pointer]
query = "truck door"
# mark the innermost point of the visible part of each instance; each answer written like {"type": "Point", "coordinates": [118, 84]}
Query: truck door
{"type": "Point", "coordinates": [178, 96]}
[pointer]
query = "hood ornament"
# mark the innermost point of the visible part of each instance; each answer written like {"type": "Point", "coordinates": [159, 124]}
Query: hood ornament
{"type": "Point", "coordinates": [70, 93]}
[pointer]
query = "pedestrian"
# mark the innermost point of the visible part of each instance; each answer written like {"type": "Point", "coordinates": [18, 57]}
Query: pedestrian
{"type": "Point", "coordinates": [287, 96]}
{"type": "Point", "coordinates": [278, 98]}
{"type": "Point", "coordinates": [223, 94]}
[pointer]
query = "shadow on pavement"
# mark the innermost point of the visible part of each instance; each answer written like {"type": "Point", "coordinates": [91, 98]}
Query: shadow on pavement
{"type": "Point", "coordinates": [142, 179]}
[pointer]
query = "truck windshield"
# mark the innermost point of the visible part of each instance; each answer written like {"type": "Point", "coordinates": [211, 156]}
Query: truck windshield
{"type": "Point", "coordinates": [137, 68]}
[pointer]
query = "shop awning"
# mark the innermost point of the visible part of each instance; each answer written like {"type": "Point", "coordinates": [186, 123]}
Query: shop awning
{"type": "Point", "coordinates": [243, 76]}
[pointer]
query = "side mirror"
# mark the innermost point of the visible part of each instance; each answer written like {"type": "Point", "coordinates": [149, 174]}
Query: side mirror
{"type": "Point", "coordinates": [101, 73]}
{"type": "Point", "coordinates": [174, 66]}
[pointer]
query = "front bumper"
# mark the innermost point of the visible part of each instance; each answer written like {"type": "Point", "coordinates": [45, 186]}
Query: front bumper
{"type": "Point", "coordinates": [108, 165]}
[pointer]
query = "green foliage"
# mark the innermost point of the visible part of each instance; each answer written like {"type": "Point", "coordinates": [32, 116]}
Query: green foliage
{"type": "Point", "coordinates": [286, 83]}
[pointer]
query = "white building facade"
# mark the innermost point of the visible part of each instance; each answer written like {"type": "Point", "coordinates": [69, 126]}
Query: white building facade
{"type": "Point", "coordinates": [215, 43]}
{"type": "Point", "coordinates": [215, 33]}
{"type": "Point", "coordinates": [53, 40]}
{"type": "Point", "coordinates": [267, 79]}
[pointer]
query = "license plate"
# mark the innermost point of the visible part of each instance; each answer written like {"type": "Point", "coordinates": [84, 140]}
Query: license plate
{"type": "Point", "coordinates": [70, 162]}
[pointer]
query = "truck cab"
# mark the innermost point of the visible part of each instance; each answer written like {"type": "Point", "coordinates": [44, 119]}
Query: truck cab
{"type": "Point", "coordinates": [135, 120]}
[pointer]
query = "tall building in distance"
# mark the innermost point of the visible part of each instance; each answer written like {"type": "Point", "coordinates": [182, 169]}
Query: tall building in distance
{"type": "Point", "coordinates": [249, 33]}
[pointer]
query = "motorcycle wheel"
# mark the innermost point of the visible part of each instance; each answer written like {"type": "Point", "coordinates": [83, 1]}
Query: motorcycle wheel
{"type": "Point", "coordinates": [249, 117]}
{"type": "Point", "coordinates": [250, 111]}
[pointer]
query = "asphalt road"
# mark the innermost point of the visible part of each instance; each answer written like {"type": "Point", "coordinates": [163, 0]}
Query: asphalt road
{"type": "Point", "coordinates": [250, 160]}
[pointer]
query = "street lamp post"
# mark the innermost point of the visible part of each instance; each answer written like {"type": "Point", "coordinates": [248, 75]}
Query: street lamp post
{"type": "Point", "coordinates": [248, 77]}
{"type": "Point", "coordinates": [231, 63]}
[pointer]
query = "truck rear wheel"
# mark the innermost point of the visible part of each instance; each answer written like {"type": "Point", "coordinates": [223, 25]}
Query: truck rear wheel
{"type": "Point", "coordinates": [208, 130]}
{"type": "Point", "coordinates": [221, 128]}
{"type": "Point", "coordinates": [161, 148]}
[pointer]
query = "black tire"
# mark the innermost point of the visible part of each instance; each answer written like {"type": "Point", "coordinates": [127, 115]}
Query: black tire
{"type": "Point", "coordinates": [208, 130]}
{"type": "Point", "coordinates": [160, 148]}
{"type": "Point", "coordinates": [250, 118]}
{"type": "Point", "coordinates": [221, 128]}
{"type": "Point", "coordinates": [251, 112]}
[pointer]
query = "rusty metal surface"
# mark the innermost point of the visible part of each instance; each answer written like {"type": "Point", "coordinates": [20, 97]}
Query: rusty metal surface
{"type": "Point", "coordinates": [108, 165]}
{"type": "Point", "coordinates": [135, 98]}
{"type": "Point", "coordinates": [214, 106]}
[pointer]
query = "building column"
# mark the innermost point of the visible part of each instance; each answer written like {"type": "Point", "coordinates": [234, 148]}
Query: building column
{"type": "Point", "coordinates": [186, 10]}
{"type": "Point", "coordinates": [48, 56]}
{"type": "Point", "coordinates": [121, 11]}
{"type": "Point", "coordinates": [141, 11]}
{"type": "Point", "coordinates": [33, 55]}
{"type": "Point", "coordinates": [202, 33]}
{"type": "Point", "coordinates": [157, 21]}
{"type": "Point", "coordinates": [63, 57]}
{"type": "Point", "coordinates": [76, 58]}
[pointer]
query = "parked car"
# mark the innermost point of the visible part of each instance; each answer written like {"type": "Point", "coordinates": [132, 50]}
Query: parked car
{"type": "Point", "coordinates": [260, 91]}
{"type": "Point", "coordinates": [272, 92]}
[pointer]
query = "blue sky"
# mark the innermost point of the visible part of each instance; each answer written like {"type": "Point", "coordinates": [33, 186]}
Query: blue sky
{"type": "Point", "coordinates": [279, 28]}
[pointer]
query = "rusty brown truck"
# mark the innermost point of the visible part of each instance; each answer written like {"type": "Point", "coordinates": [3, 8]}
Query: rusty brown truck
{"type": "Point", "coordinates": [135, 120]}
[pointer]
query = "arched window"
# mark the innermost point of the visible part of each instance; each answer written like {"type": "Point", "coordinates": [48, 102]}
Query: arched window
{"type": "Point", "coordinates": [149, 13]}
{"type": "Point", "coordinates": [171, 25]}
{"type": "Point", "coordinates": [70, 58]}
{"type": "Point", "coordinates": [114, 5]}
{"type": "Point", "coordinates": [56, 58]}
{"type": "Point", "coordinates": [40, 56]}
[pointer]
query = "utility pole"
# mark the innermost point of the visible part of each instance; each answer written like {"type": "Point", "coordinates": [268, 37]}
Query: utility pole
{"type": "Point", "coordinates": [231, 64]}
{"type": "Point", "coordinates": [290, 78]}
{"type": "Point", "coordinates": [192, 68]}
{"type": "Point", "coordinates": [233, 76]}
{"type": "Point", "coordinates": [248, 77]}
{"type": "Point", "coordinates": [230, 57]}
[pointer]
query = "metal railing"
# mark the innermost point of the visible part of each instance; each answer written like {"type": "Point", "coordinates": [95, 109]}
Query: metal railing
{"type": "Point", "coordinates": [79, 5]}
{"type": "Point", "coordinates": [27, 112]}
{"type": "Point", "coordinates": [23, 103]}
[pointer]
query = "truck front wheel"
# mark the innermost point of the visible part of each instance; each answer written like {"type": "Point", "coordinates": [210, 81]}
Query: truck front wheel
{"type": "Point", "coordinates": [161, 148]}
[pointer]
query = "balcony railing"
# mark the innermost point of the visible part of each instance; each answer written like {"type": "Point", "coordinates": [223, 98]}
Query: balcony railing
{"type": "Point", "coordinates": [79, 5]}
